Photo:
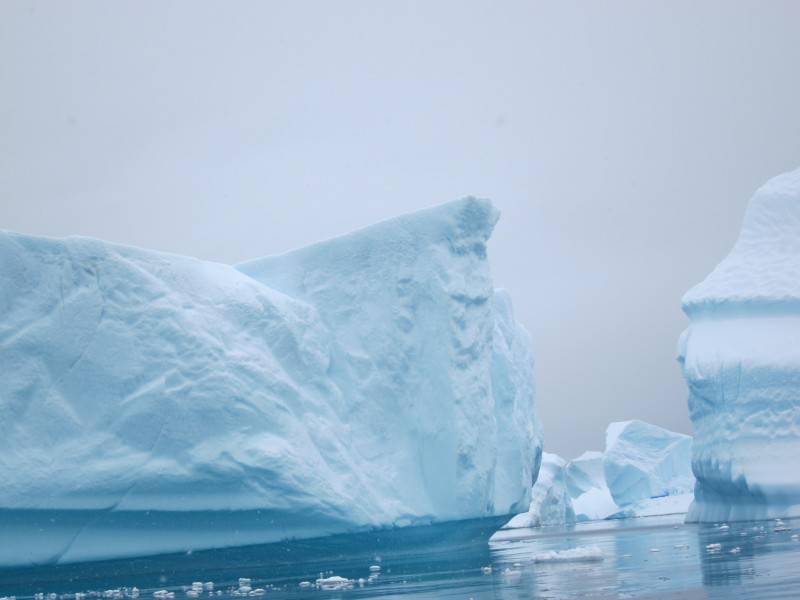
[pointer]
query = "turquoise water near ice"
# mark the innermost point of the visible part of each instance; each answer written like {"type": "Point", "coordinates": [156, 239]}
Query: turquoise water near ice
{"type": "Point", "coordinates": [655, 557]}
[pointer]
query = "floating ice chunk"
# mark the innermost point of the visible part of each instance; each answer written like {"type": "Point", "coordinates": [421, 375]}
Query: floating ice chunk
{"type": "Point", "coordinates": [712, 548]}
{"type": "Point", "coordinates": [579, 554]}
{"type": "Point", "coordinates": [486, 570]}
{"type": "Point", "coordinates": [335, 582]}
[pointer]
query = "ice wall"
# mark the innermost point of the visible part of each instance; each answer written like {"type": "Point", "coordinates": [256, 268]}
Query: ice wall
{"type": "Point", "coordinates": [741, 359]}
{"type": "Point", "coordinates": [155, 403]}
{"type": "Point", "coordinates": [418, 331]}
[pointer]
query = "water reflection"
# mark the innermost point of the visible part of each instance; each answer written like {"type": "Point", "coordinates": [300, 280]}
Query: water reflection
{"type": "Point", "coordinates": [659, 557]}
{"type": "Point", "coordinates": [762, 556]}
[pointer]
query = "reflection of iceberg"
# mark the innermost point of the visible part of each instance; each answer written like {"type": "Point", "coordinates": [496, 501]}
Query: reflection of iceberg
{"type": "Point", "coordinates": [741, 360]}
{"type": "Point", "coordinates": [644, 471]}
{"type": "Point", "coordinates": [156, 403]}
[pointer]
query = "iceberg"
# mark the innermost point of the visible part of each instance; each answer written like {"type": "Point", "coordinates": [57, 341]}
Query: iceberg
{"type": "Point", "coordinates": [550, 500]}
{"type": "Point", "coordinates": [156, 403]}
{"type": "Point", "coordinates": [591, 498]}
{"type": "Point", "coordinates": [741, 360]}
{"type": "Point", "coordinates": [644, 471]}
{"type": "Point", "coordinates": [644, 461]}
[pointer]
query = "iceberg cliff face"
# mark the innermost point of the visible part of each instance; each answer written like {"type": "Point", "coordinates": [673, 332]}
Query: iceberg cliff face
{"type": "Point", "coordinates": [514, 409]}
{"type": "Point", "coordinates": [156, 403]}
{"type": "Point", "coordinates": [419, 332]}
{"type": "Point", "coordinates": [741, 359]}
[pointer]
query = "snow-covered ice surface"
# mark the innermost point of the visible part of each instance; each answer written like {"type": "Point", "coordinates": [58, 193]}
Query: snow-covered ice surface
{"type": "Point", "coordinates": [653, 558]}
{"type": "Point", "coordinates": [644, 471]}
{"type": "Point", "coordinates": [155, 403]}
{"type": "Point", "coordinates": [741, 359]}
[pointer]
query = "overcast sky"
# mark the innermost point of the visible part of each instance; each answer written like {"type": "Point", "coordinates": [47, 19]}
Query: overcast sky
{"type": "Point", "coordinates": [621, 140]}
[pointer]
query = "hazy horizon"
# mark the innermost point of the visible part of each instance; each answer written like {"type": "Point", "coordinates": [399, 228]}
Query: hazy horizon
{"type": "Point", "coordinates": [620, 140]}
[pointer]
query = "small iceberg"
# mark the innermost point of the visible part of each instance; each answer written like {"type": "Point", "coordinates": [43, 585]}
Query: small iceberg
{"type": "Point", "coordinates": [579, 554]}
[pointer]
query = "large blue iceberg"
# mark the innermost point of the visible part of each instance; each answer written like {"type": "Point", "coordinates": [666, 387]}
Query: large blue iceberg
{"type": "Point", "coordinates": [741, 359]}
{"type": "Point", "coordinates": [155, 403]}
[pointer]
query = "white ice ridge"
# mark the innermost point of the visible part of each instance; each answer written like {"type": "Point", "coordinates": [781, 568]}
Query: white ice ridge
{"type": "Point", "coordinates": [741, 359]}
{"type": "Point", "coordinates": [644, 471]}
{"type": "Point", "coordinates": [156, 403]}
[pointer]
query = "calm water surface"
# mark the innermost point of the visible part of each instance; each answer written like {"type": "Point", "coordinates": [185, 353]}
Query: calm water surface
{"type": "Point", "coordinates": [656, 557]}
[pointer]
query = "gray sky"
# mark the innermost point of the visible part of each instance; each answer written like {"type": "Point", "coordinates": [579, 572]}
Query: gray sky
{"type": "Point", "coordinates": [621, 140]}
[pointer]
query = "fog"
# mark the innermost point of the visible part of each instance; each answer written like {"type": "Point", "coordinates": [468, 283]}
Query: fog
{"type": "Point", "coordinates": [621, 140]}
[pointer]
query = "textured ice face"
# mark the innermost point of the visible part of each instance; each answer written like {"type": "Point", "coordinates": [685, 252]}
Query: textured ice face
{"type": "Point", "coordinates": [373, 379]}
{"type": "Point", "coordinates": [513, 391]}
{"type": "Point", "coordinates": [418, 331]}
{"type": "Point", "coordinates": [644, 461]}
{"type": "Point", "coordinates": [585, 473]}
{"type": "Point", "coordinates": [741, 360]}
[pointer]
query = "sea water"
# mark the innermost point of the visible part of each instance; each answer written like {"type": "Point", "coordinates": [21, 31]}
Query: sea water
{"type": "Point", "coordinates": [654, 557]}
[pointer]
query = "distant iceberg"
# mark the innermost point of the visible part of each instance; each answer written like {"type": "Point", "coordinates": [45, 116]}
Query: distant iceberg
{"type": "Point", "coordinates": [741, 359]}
{"type": "Point", "coordinates": [157, 403]}
{"type": "Point", "coordinates": [644, 461]}
{"type": "Point", "coordinates": [644, 471]}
